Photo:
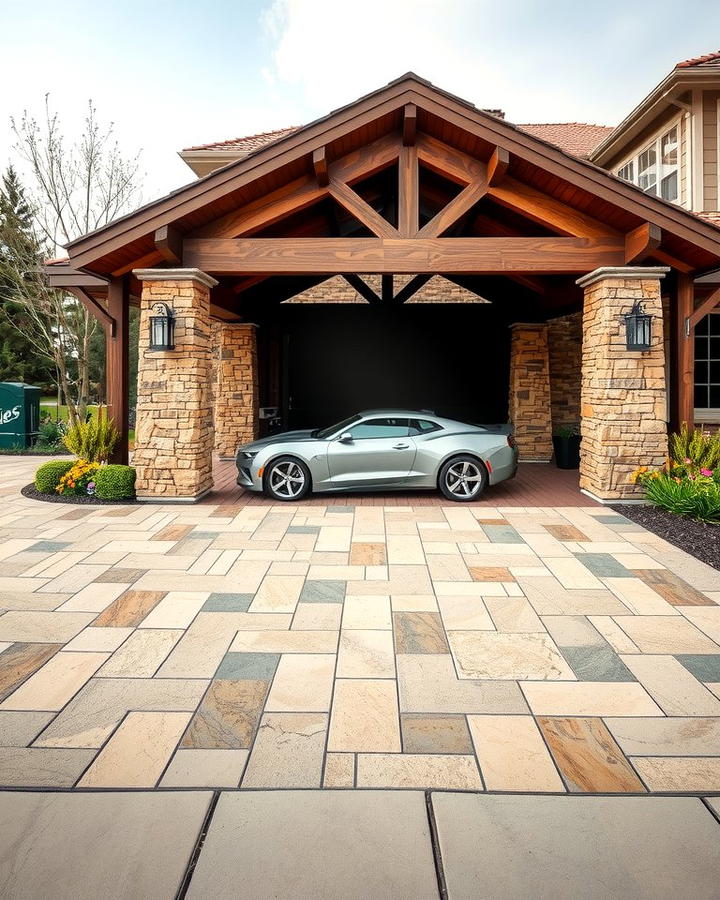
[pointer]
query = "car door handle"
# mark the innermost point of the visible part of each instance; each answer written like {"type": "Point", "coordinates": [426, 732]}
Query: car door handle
{"type": "Point", "coordinates": [400, 446]}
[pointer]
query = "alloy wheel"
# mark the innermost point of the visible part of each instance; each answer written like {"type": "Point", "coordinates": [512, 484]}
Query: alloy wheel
{"type": "Point", "coordinates": [463, 479]}
{"type": "Point", "coordinates": [287, 479]}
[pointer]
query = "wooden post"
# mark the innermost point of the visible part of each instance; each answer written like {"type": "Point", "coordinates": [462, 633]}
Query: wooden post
{"type": "Point", "coordinates": [685, 351]}
{"type": "Point", "coordinates": [117, 363]}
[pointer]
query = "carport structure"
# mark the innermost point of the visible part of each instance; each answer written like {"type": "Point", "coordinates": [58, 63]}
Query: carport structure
{"type": "Point", "coordinates": [406, 183]}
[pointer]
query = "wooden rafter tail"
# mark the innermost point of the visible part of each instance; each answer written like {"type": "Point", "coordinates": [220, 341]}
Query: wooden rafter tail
{"type": "Point", "coordinates": [320, 166]}
{"type": "Point", "coordinates": [169, 244]}
{"type": "Point", "coordinates": [642, 242]}
{"type": "Point", "coordinates": [498, 166]}
{"type": "Point", "coordinates": [362, 211]}
{"type": "Point", "coordinates": [363, 288]}
{"type": "Point", "coordinates": [409, 129]}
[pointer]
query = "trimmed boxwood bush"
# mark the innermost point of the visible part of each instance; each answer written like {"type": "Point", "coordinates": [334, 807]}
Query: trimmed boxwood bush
{"type": "Point", "coordinates": [115, 482]}
{"type": "Point", "coordinates": [48, 476]}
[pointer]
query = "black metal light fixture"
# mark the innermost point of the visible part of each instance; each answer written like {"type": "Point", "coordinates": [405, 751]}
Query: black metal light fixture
{"type": "Point", "coordinates": [162, 328]}
{"type": "Point", "coordinates": [638, 328]}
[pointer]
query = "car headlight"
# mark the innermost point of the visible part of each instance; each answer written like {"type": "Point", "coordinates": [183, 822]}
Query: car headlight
{"type": "Point", "coordinates": [249, 454]}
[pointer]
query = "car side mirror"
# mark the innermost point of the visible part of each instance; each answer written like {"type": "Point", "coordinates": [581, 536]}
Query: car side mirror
{"type": "Point", "coordinates": [345, 438]}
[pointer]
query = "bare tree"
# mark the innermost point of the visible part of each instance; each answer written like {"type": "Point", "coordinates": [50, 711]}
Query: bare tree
{"type": "Point", "coordinates": [73, 188]}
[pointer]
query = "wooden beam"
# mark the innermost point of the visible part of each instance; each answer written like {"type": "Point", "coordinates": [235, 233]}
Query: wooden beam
{"type": "Point", "coordinates": [641, 242]}
{"type": "Point", "coordinates": [362, 287]}
{"type": "Point", "coordinates": [498, 165]}
{"type": "Point", "coordinates": [408, 192]}
{"type": "Point", "coordinates": [305, 256]}
{"type": "Point", "coordinates": [411, 288]}
{"type": "Point", "coordinates": [544, 209]}
{"type": "Point", "coordinates": [707, 306]}
{"type": "Point", "coordinates": [685, 351]}
{"type": "Point", "coordinates": [95, 307]}
{"type": "Point", "coordinates": [456, 208]}
{"type": "Point", "coordinates": [445, 160]}
{"type": "Point", "coordinates": [147, 261]}
{"type": "Point", "coordinates": [362, 211]}
{"type": "Point", "coordinates": [168, 243]}
{"type": "Point", "coordinates": [320, 165]}
{"type": "Point", "coordinates": [409, 130]}
{"type": "Point", "coordinates": [669, 260]}
{"type": "Point", "coordinates": [117, 364]}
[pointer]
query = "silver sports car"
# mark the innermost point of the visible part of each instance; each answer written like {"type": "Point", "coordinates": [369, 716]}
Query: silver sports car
{"type": "Point", "coordinates": [380, 449]}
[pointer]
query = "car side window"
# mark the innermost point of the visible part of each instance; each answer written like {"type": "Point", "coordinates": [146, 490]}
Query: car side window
{"type": "Point", "coordinates": [380, 428]}
{"type": "Point", "coordinates": [423, 426]}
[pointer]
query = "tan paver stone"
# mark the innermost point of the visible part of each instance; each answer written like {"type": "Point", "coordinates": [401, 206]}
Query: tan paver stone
{"type": "Point", "coordinates": [368, 553]}
{"type": "Point", "coordinates": [449, 567]}
{"type": "Point", "coordinates": [413, 603]}
{"type": "Point", "coordinates": [571, 573]}
{"type": "Point", "coordinates": [572, 631]}
{"type": "Point", "coordinates": [550, 598]}
{"type": "Point", "coordinates": [662, 773]}
{"type": "Point", "coordinates": [288, 751]}
{"type": "Point", "coordinates": [677, 736]}
{"type": "Point", "coordinates": [491, 573]}
{"type": "Point", "coordinates": [357, 844]}
{"type": "Point", "coordinates": [40, 767]}
{"type": "Point", "coordinates": [674, 689]}
{"type": "Point", "coordinates": [706, 618]}
{"type": "Point", "coordinates": [335, 573]}
{"type": "Point", "coordinates": [589, 698]}
{"type": "Point", "coordinates": [465, 613]}
{"type": "Point", "coordinates": [50, 688]}
{"type": "Point", "coordinates": [613, 634]}
{"type": "Point", "coordinates": [513, 614]}
{"type": "Point", "coordinates": [483, 654]}
{"type": "Point", "coordinates": [365, 654]}
{"type": "Point", "coordinates": [470, 589]}
{"type": "Point", "coordinates": [19, 729]}
{"type": "Point", "coordinates": [405, 550]}
{"type": "Point", "coordinates": [130, 609]}
{"type": "Point", "coordinates": [94, 598]}
{"type": "Point", "coordinates": [92, 715]}
{"type": "Point", "coordinates": [339, 770]}
{"type": "Point", "coordinates": [228, 716]}
{"type": "Point", "coordinates": [99, 639]}
{"type": "Point", "coordinates": [285, 642]}
{"type": "Point", "coordinates": [141, 654]}
{"type": "Point", "coordinates": [42, 627]}
{"type": "Point", "coordinates": [333, 538]}
{"type": "Point", "coordinates": [639, 597]}
{"type": "Point", "coordinates": [205, 768]}
{"type": "Point", "coordinates": [136, 755]}
{"type": "Point", "coordinates": [512, 754]}
{"type": "Point", "coordinates": [18, 661]}
{"type": "Point", "coordinates": [277, 593]}
{"type": "Point", "coordinates": [428, 684]}
{"type": "Point", "coordinates": [665, 634]}
{"type": "Point", "coordinates": [365, 717]}
{"type": "Point", "coordinates": [419, 632]}
{"type": "Point", "coordinates": [435, 734]}
{"type": "Point", "coordinates": [317, 617]}
{"type": "Point", "coordinates": [647, 848]}
{"type": "Point", "coordinates": [26, 600]}
{"type": "Point", "coordinates": [176, 610]}
{"type": "Point", "coordinates": [303, 683]}
{"type": "Point", "coordinates": [367, 612]}
{"type": "Point", "coordinates": [393, 770]}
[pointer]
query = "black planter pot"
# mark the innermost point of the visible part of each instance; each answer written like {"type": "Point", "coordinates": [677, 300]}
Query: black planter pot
{"type": "Point", "coordinates": [567, 451]}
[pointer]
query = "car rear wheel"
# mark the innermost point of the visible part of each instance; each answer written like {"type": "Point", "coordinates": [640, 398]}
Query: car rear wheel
{"type": "Point", "coordinates": [286, 478]}
{"type": "Point", "coordinates": [462, 479]}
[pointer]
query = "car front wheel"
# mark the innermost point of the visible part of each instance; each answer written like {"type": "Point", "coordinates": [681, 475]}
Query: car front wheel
{"type": "Point", "coordinates": [463, 478]}
{"type": "Point", "coordinates": [286, 478]}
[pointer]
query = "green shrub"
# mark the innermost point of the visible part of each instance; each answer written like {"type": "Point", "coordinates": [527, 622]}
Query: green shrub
{"type": "Point", "coordinates": [115, 483]}
{"type": "Point", "coordinates": [693, 449]}
{"type": "Point", "coordinates": [50, 433]}
{"type": "Point", "coordinates": [48, 476]}
{"type": "Point", "coordinates": [93, 440]}
{"type": "Point", "coordinates": [695, 497]}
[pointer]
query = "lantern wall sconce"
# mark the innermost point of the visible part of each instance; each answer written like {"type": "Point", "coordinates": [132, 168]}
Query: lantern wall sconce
{"type": "Point", "coordinates": [162, 328]}
{"type": "Point", "coordinates": [638, 328]}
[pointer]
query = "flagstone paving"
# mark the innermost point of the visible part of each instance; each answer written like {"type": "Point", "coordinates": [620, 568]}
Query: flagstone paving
{"type": "Point", "coordinates": [543, 649]}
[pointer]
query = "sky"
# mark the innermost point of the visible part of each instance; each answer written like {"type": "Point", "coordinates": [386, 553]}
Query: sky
{"type": "Point", "coordinates": [172, 73]}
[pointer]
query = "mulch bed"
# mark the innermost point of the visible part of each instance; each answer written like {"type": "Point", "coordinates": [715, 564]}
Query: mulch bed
{"type": "Point", "coordinates": [33, 493]}
{"type": "Point", "coordinates": [699, 539]}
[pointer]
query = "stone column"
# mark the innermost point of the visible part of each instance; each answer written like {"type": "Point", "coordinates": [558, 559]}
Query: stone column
{"type": "Point", "coordinates": [236, 386]}
{"type": "Point", "coordinates": [622, 402]}
{"type": "Point", "coordinates": [174, 431]}
{"type": "Point", "coordinates": [529, 404]}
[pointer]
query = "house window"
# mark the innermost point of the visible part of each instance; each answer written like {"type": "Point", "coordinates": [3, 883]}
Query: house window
{"type": "Point", "coordinates": [655, 168]}
{"type": "Point", "coordinates": [707, 364]}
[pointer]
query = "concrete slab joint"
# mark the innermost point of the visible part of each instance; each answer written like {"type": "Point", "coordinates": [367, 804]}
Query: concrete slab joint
{"type": "Point", "coordinates": [174, 427]}
{"type": "Point", "coordinates": [623, 393]}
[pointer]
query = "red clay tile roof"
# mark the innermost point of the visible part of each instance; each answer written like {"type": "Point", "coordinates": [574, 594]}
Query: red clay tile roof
{"type": "Point", "coordinates": [578, 138]}
{"type": "Point", "coordinates": [707, 59]}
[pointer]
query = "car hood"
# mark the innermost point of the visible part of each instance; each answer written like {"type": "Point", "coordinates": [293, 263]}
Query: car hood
{"type": "Point", "coordinates": [286, 437]}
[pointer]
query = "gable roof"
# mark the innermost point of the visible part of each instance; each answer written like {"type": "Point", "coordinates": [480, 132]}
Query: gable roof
{"type": "Point", "coordinates": [129, 241]}
{"type": "Point", "coordinates": [708, 59]}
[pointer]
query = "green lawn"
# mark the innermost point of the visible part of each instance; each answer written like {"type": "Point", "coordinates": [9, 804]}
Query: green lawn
{"type": "Point", "coordinates": [49, 404]}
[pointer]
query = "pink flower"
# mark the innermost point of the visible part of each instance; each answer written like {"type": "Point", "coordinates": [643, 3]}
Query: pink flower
{"type": "Point", "coordinates": [706, 472]}
{"type": "Point", "coordinates": [688, 462]}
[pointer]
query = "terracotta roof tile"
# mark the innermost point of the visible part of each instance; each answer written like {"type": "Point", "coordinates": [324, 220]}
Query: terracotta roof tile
{"type": "Point", "coordinates": [707, 59]}
{"type": "Point", "coordinates": [248, 143]}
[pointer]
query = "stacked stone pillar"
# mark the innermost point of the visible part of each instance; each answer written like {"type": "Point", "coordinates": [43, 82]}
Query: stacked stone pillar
{"type": "Point", "coordinates": [174, 428]}
{"type": "Point", "coordinates": [623, 392]}
{"type": "Point", "coordinates": [236, 386]}
{"type": "Point", "coordinates": [529, 400]}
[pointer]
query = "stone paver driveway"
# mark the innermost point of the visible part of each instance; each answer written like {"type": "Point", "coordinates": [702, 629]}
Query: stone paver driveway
{"type": "Point", "coordinates": [283, 646]}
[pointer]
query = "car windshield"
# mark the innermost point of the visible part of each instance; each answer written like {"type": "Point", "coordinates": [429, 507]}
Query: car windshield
{"type": "Point", "coordinates": [323, 433]}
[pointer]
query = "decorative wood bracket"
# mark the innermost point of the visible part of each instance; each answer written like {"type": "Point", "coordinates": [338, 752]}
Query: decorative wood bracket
{"type": "Point", "coordinates": [409, 128]}
{"type": "Point", "coordinates": [169, 243]}
{"type": "Point", "coordinates": [320, 166]}
{"type": "Point", "coordinates": [707, 306]}
{"type": "Point", "coordinates": [498, 166]}
{"type": "Point", "coordinates": [97, 309]}
{"type": "Point", "coordinates": [641, 242]}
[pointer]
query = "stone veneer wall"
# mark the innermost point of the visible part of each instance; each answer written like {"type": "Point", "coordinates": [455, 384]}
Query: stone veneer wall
{"type": "Point", "coordinates": [337, 290]}
{"type": "Point", "coordinates": [565, 357]}
{"type": "Point", "coordinates": [623, 401]}
{"type": "Point", "coordinates": [174, 429]}
{"type": "Point", "coordinates": [529, 401]}
{"type": "Point", "coordinates": [235, 388]}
